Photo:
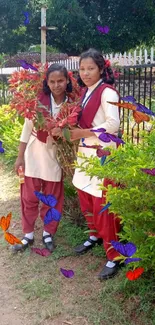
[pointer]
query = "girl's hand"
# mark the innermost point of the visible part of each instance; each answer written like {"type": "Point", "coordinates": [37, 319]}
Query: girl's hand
{"type": "Point", "coordinates": [56, 132]}
{"type": "Point", "coordinates": [77, 134]}
{"type": "Point", "coordinates": [19, 162]}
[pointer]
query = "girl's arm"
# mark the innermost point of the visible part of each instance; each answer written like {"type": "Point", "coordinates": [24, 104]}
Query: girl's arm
{"type": "Point", "coordinates": [26, 133]}
{"type": "Point", "coordinates": [111, 112]}
{"type": "Point", "coordinates": [78, 133]}
{"type": "Point", "coordinates": [20, 159]}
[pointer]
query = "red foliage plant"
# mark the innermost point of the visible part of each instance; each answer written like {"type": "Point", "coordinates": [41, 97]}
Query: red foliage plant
{"type": "Point", "coordinates": [26, 86]}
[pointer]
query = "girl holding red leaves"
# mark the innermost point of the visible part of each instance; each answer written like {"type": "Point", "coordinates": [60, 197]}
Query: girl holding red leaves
{"type": "Point", "coordinates": [37, 157]}
{"type": "Point", "coordinates": [97, 77]}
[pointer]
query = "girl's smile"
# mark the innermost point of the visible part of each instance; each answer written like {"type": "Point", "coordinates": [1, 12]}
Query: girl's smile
{"type": "Point", "coordinates": [89, 72]}
{"type": "Point", "coordinates": [57, 83]}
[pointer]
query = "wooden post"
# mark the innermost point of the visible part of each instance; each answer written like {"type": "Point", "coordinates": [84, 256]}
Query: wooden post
{"type": "Point", "coordinates": [43, 35]}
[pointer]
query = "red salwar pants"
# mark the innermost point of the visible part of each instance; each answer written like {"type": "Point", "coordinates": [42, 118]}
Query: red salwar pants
{"type": "Point", "coordinates": [30, 206]}
{"type": "Point", "coordinates": [106, 224]}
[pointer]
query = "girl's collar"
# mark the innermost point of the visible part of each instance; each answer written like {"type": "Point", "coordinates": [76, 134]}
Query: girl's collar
{"type": "Point", "coordinates": [91, 88]}
{"type": "Point", "coordinates": [58, 105]}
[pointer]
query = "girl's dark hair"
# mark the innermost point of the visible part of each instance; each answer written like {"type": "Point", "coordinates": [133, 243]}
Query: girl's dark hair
{"type": "Point", "coordinates": [56, 67]}
{"type": "Point", "coordinates": [107, 76]}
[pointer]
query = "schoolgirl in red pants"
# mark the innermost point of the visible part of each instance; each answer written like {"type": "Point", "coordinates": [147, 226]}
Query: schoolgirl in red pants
{"type": "Point", "coordinates": [37, 156]}
{"type": "Point", "coordinates": [97, 77]}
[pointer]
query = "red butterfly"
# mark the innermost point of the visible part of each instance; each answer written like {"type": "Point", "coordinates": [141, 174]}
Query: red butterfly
{"type": "Point", "coordinates": [134, 274]}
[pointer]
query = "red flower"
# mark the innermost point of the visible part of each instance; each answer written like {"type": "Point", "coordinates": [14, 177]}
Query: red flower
{"type": "Point", "coordinates": [107, 64]}
{"type": "Point", "coordinates": [134, 274]}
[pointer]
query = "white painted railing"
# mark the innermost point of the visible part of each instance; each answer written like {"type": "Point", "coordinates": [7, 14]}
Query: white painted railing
{"type": "Point", "coordinates": [138, 57]}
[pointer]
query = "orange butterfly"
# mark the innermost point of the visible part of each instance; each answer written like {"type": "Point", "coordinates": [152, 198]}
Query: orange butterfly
{"type": "Point", "coordinates": [11, 239]}
{"type": "Point", "coordinates": [124, 105]}
{"type": "Point", "coordinates": [5, 222]}
{"type": "Point", "coordinates": [138, 116]}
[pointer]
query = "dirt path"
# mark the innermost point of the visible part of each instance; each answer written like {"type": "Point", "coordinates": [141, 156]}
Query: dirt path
{"type": "Point", "coordinates": [12, 309]}
{"type": "Point", "coordinates": [21, 304]}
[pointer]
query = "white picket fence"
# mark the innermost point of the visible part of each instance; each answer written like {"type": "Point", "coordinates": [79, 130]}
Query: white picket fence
{"type": "Point", "coordinates": [138, 57]}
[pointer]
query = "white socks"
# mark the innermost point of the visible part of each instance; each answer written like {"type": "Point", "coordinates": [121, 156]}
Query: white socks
{"type": "Point", "coordinates": [110, 264]}
{"type": "Point", "coordinates": [47, 240]}
{"type": "Point", "coordinates": [29, 236]}
{"type": "Point", "coordinates": [87, 243]}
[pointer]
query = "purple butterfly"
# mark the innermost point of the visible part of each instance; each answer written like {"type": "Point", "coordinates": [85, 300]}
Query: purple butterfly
{"type": "Point", "coordinates": [26, 65]}
{"type": "Point", "coordinates": [105, 207]}
{"type": "Point", "coordinates": [1, 148]}
{"type": "Point", "coordinates": [130, 99]}
{"type": "Point", "coordinates": [140, 108]}
{"type": "Point", "coordinates": [101, 153]}
{"type": "Point", "coordinates": [27, 20]}
{"type": "Point", "coordinates": [126, 250]}
{"type": "Point", "coordinates": [52, 215]}
{"type": "Point", "coordinates": [143, 109]}
{"type": "Point", "coordinates": [148, 171]}
{"type": "Point", "coordinates": [99, 130]}
{"type": "Point", "coordinates": [132, 259]}
{"type": "Point", "coordinates": [41, 251]}
{"type": "Point", "coordinates": [67, 273]}
{"type": "Point", "coordinates": [103, 30]}
{"type": "Point", "coordinates": [107, 137]}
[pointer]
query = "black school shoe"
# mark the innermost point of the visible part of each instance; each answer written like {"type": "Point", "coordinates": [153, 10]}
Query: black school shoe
{"type": "Point", "coordinates": [21, 247]}
{"type": "Point", "coordinates": [49, 245]}
{"type": "Point", "coordinates": [82, 249]}
{"type": "Point", "coordinates": [109, 272]}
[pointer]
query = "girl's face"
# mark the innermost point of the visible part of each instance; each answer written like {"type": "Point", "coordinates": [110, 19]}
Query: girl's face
{"type": "Point", "coordinates": [89, 72]}
{"type": "Point", "coordinates": [57, 83]}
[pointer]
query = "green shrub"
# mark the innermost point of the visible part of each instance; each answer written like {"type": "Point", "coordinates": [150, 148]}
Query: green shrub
{"type": "Point", "coordinates": [134, 199]}
{"type": "Point", "coordinates": [10, 131]}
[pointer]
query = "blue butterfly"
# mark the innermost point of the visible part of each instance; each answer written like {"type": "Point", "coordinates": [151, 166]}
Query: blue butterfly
{"type": "Point", "coordinates": [83, 143]}
{"type": "Point", "coordinates": [126, 250]}
{"type": "Point", "coordinates": [1, 148]}
{"type": "Point", "coordinates": [102, 160]}
{"type": "Point", "coordinates": [52, 215]}
{"type": "Point", "coordinates": [51, 201]}
{"type": "Point", "coordinates": [105, 207]}
{"type": "Point", "coordinates": [27, 20]}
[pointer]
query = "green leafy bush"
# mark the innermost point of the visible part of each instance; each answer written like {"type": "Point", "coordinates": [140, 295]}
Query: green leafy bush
{"type": "Point", "coordinates": [10, 131]}
{"type": "Point", "coordinates": [134, 198]}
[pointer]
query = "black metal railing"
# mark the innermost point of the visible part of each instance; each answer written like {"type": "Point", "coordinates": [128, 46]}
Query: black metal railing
{"type": "Point", "coordinates": [139, 82]}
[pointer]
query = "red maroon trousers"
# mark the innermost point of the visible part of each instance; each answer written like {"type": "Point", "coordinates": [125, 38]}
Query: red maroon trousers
{"type": "Point", "coordinates": [106, 224]}
{"type": "Point", "coordinates": [30, 203]}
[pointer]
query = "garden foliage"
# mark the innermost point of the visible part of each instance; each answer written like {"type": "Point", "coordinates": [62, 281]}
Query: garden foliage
{"type": "Point", "coordinates": [10, 131]}
{"type": "Point", "coordinates": [134, 198]}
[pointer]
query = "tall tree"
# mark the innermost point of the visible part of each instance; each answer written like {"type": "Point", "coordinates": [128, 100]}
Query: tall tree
{"type": "Point", "coordinates": [131, 24]}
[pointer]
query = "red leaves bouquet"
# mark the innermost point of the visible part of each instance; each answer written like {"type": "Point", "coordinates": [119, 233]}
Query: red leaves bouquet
{"type": "Point", "coordinates": [26, 86]}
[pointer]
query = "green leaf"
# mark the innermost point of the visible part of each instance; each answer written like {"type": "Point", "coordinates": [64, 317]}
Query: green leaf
{"type": "Point", "coordinates": [88, 231]}
{"type": "Point", "coordinates": [66, 134]}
